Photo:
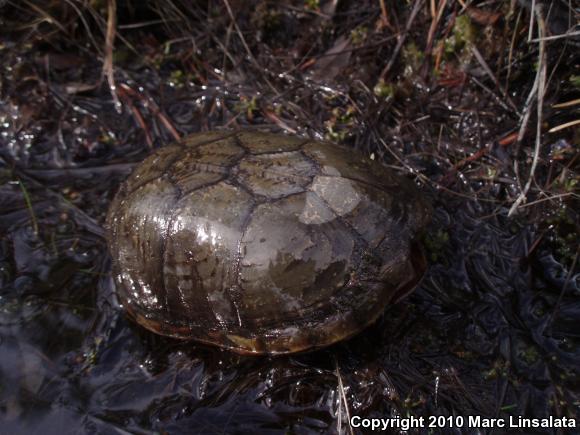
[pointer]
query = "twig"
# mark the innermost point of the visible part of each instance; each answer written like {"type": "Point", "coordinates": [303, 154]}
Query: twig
{"type": "Point", "coordinates": [126, 93]}
{"type": "Point", "coordinates": [541, 83]}
{"type": "Point", "coordinates": [551, 38]}
{"type": "Point", "coordinates": [384, 14]}
{"type": "Point", "coordinates": [531, 28]}
{"type": "Point", "coordinates": [434, 23]}
{"type": "Point", "coordinates": [551, 198]}
{"type": "Point", "coordinates": [109, 43]}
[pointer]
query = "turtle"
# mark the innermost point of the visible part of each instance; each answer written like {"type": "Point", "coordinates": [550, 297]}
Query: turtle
{"type": "Point", "coordinates": [263, 243]}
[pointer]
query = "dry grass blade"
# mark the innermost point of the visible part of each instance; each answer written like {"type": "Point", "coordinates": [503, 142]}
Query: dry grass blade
{"type": "Point", "coordinates": [109, 45]}
{"type": "Point", "coordinates": [401, 41]}
{"type": "Point", "coordinates": [245, 44]}
{"type": "Point", "coordinates": [492, 76]}
{"type": "Point", "coordinates": [28, 202]}
{"type": "Point", "coordinates": [384, 14]}
{"type": "Point", "coordinates": [436, 14]}
{"type": "Point", "coordinates": [567, 104]}
{"type": "Point", "coordinates": [539, 88]}
{"type": "Point", "coordinates": [342, 399]}
{"type": "Point", "coordinates": [554, 37]}
{"type": "Point", "coordinates": [49, 18]}
{"type": "Point", "coordinates": [563, 126]}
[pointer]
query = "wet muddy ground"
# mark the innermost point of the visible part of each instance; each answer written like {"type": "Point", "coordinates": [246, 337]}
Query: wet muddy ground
{"type": "Point", "coordinates": [445, 92]}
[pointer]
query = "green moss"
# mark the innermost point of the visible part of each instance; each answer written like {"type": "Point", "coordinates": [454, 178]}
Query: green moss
{"type": "Point", "coordinates": [384, 90]}
{"type": "Point", "coordinates": [412, 58]}
{"type": "Point", "coordinates": [340, 124]}
{"type": "Point", "coordinates": [464, 34]}
{"type": "Point", "coordinates": [358, 35]}
{"type": "Point", "coordinates": [575, 80]}
{"type": "Point", "coordinates": [499, 369]}
{"type": "Point", "coordinates": [313, 5]}
{"type": "Point", "coordinates": [177, 78]}
{"type": "Point", "coordinates": [247, 105]}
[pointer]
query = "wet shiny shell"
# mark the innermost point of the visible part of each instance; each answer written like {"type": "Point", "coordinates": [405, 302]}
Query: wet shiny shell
{"type": "Point", "coordinates": [262, 243]}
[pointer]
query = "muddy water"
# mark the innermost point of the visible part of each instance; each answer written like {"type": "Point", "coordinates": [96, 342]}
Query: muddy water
{"type": "Point", "coordinates": [484, 334]}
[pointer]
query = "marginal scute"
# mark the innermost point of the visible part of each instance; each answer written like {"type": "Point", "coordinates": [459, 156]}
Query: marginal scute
{"type": "Point", "coordinates": [189, 173]}
{"type": "Point", "coordinates": [195, 140]}
{"type": "Point", "coordinates": [139, 226]}
{"type": "Point", "coordinates": [220, 153]}
{"type": "Point", "coordinates": [264, 143]}
{"type": "Point", "coordinates": [152, 167]}
{"type": "Point", "coordinates": [263, 243]}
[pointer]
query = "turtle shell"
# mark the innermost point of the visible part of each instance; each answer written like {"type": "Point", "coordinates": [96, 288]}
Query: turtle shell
{"type": "Point", "coordinates": [263, 243]}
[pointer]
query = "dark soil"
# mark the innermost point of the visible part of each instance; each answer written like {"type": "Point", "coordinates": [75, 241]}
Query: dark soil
{"type": "Point", "coordinates": [443, 91]}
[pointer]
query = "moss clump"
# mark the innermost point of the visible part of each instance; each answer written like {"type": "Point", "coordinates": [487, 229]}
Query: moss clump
{"type": "Point", "coordinates": [177, 79]}
{"type": "Point", "coordinates": [313, 5]}
{"type": "Point", "coordinates": [384, 90]}
{"type": "Point", "coordinates": [463, 35]}
{"type": "Point", "coordinates": [412, 59]}
{"type": "Point", "coordinates": [575, 80]}
{"type": "Point", "coordinates": [340, 124]}
{"type": "Point", "coordinates": [247, 105]}
{"type": "Point", "coordinates": [358, 35]}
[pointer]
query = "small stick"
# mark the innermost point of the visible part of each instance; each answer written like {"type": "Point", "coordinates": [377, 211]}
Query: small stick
{"type": "Point", "coordinates": [551, 38]}
{"type": "Point", "coordinates": [434, 24]}
{"type": "Point", "coordinates": [109, 43]}
{"type": "Point", "coordinates": [384, 15]}
{"type": "Point", "coordinates": [126, 93]}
